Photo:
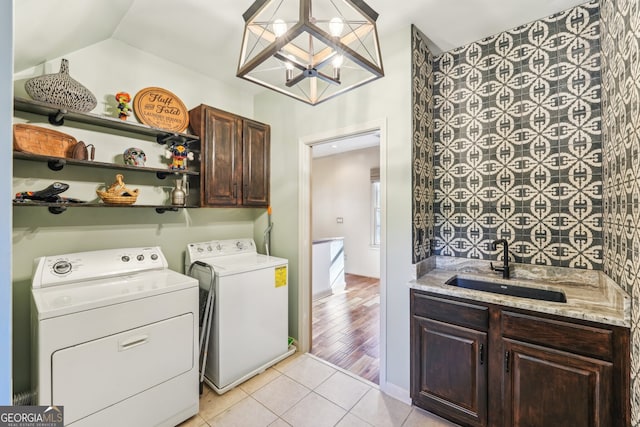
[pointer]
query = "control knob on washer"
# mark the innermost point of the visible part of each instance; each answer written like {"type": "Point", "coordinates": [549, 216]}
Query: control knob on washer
{"type": "Point", "coordinates": [62, 267]}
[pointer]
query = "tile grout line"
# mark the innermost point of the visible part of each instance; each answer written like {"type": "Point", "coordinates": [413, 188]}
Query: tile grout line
{"type": "Point", "coordinates": [346, 372]}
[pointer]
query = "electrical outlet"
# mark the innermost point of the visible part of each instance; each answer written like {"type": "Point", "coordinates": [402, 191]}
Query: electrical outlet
{"type": "Point", "coordinates": [339, 220]}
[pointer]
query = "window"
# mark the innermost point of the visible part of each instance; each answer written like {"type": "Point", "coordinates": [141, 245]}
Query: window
{"type": "Point", "coordinates": [375, 207]}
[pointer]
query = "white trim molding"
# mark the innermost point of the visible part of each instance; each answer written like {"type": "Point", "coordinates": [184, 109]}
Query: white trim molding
{"type": "Point", "coordinates": [304, 249]}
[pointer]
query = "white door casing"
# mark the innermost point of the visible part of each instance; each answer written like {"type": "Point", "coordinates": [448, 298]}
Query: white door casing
{"type": "Point", "coordinates": [304, 221]}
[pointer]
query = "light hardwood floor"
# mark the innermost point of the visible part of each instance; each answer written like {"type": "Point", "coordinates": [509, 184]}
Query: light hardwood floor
{"type": "Point", "coordinates": [346, 327]}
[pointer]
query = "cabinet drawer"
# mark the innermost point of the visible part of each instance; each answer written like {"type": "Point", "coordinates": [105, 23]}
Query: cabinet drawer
{"type": "Point", "coordinates": [574, 338]}
{"type": "Point", "coordinates": [454, 312]}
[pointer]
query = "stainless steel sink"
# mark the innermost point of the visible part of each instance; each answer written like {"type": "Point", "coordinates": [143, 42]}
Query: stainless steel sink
{"type": "Point", "coordinates": [512, 290]}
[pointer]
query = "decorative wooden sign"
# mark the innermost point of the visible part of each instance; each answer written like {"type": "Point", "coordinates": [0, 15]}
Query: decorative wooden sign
{"type": "Point", "coordinates": [161, 109]}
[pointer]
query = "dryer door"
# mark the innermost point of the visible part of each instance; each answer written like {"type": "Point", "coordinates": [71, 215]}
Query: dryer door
{"type": "Point", "coordinates": [91, 376]}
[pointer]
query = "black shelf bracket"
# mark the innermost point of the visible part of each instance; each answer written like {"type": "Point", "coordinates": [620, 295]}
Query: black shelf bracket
{"type": "Point", "coordinates": [163, 139]}
{"type": "Point", "coordinates": [56, 210]}
{"type": "Point", "coordinates": [172, 137]}
{"type": "Point", "coordinates": [163, 210]}
{"type": "Point", "coordinates": [56, 165]}
{"type": "Point", "coordinates": [57, 118]}
{"type": "Point", "coordinates": [169, 172]}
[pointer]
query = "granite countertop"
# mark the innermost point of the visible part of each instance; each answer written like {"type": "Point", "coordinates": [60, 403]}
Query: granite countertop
{"type": "Point", "coordinates": [591, 295]}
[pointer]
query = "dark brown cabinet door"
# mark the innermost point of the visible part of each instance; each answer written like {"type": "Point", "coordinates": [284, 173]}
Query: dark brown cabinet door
{"type": "Point", "coordinates": [256, 161]}
{"type": "Point", "coordinates": [222, 159]}
{"type": "Point", "coordinates": [449, 370]}
{"type": "Point", "coordinates": [546, 387]}
{"type": "Point", "coordinates": [235, 158]}
{"type": "Point", "coordinates": [543, 370]}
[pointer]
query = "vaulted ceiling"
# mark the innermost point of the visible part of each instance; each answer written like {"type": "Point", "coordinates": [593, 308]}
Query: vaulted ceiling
{"type": "Point", "coordinates": [205, 35]}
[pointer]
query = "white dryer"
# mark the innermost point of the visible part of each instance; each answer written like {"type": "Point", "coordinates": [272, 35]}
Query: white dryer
{"type": "Point", "coordinates": [114, 338]}
{"type": "Point", "coordinates": [250, 316]}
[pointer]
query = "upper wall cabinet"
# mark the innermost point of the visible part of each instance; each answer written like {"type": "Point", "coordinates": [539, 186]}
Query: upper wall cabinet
{"type": "Point", "coordinates": [235, 164]}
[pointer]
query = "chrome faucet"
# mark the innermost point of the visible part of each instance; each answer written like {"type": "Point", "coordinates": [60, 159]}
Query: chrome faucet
{"type": "Point", "coordinates": [505, 256]}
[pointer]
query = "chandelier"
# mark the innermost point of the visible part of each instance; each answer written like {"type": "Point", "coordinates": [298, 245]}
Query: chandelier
{"type": "Point", "coordinates": [311, 50]}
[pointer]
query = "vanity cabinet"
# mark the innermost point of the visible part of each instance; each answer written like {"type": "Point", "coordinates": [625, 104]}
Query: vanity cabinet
{"type": "Point", "coordinates": [448, 358]}
{"type": "Point", "coordinates": [546, 387]}
{"type": "Point", "coordinates": [235, 163]}
{"type": "Point", "coordinates": [557, 372]}
{"type": "Point", "coordinates": [480, 364]}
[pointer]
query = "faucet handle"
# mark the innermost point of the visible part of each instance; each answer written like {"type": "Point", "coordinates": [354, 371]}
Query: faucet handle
{"type": "Point", "coordinates": [495, 268]}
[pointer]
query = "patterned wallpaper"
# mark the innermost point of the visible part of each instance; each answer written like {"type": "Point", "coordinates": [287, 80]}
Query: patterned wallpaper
{"type": "Point", "coordinates": [422, 181]}
{"type": "Point", "coordinates": [525, 148]}
{"type": "Point", "coordinates": [621, 147]}
{"type": "Point", "coordinates": [518, 143]}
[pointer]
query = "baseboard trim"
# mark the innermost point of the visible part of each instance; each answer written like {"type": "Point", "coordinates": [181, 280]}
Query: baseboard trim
{"type": "Point", "coordinates": [396, 392]}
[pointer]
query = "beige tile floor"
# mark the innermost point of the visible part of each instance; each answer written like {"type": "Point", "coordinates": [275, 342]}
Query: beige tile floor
{"type": "Point", "coordinates": [304, 391]}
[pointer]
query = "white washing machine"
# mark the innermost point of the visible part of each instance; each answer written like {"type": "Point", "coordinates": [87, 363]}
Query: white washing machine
{"type": "Point", "coordinates": [115, 338]}
{"type": "Point", "coordinates": [249, 332]}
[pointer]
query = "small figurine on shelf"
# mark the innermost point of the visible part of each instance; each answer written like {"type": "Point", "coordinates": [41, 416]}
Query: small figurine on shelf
{"type": "Point", "coordinates": [123, 99]}
{"type": "Point", "coordinates": [134, 156]}
{"type": "Point", "coordinates": [179, 153]}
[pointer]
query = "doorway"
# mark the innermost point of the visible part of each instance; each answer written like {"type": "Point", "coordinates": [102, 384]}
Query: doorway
{"type": "Point", "coordinates": [345, 254]}
{"type": "Point", "coordinates": [305, 232]}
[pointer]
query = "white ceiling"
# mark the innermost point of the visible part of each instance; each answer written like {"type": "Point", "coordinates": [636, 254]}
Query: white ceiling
{"type": "Point", "coordinates": [205, 35]}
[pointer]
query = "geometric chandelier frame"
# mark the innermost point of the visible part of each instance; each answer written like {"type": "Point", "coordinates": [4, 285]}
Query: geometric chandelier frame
{"type": "Point", "coordinates": [311, 50]}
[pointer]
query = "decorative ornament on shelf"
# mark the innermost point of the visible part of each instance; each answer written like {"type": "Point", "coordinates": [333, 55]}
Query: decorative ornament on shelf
{"type": "Point", "coordinates": [118, 193]}
{"type": "Point", "coordinates": [61, 90]}
{"type": "Point", "coordinates": [124, 109]}
{"type": "Point", "coordinates": [43, 141]}
{"type": "Point", "coordinates": [47, 195]}
{"type": "Point", "coordinates": [179, 154]}
{"type": "Point", "coordinates": [82, 151]}
{"type": "Point", "coordinates": [161, 109]}
{"type": "Point", "coordinates": [134, 156]}
{"type": "Point", "coordinates": [180, 192]}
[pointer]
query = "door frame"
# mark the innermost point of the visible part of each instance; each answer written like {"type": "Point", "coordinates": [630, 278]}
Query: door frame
{"type": "Point", "coordinates": [304, 223]}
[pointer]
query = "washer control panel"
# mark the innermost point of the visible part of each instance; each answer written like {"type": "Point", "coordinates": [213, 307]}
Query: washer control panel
{"type": "Point", "coordinates": [67, 268]}
{"type": "Point", "coordinates": [217, 248]}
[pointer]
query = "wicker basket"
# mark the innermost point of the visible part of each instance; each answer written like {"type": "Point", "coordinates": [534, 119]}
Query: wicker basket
{"type": "Point", "coordinates": [118, 193]}
{"type": "Point", "coordinates": [117, 200]}
{"type": "Point", "coordinates": [43, 141]}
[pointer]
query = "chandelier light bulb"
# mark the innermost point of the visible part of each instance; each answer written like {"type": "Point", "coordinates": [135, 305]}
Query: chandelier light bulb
{"type": "Point", "coordinates": [279, 27]}
{"type": "Point", "coordinates": [337, 63]}
{"type": "Point", "coordinates": [336, 26]}
{"type": "Point", "coordinates": [288, 65]}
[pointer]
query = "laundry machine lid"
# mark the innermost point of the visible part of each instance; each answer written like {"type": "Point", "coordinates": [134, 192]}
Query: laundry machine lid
{"type": "Point", "coordinates": [57, 270]}
{"type": "Point", "coordinates": [232, 256]}
{"type": "Point", "coordinates": [70, 298]}
{"type": "Point", "coordinates": [236, 264]}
